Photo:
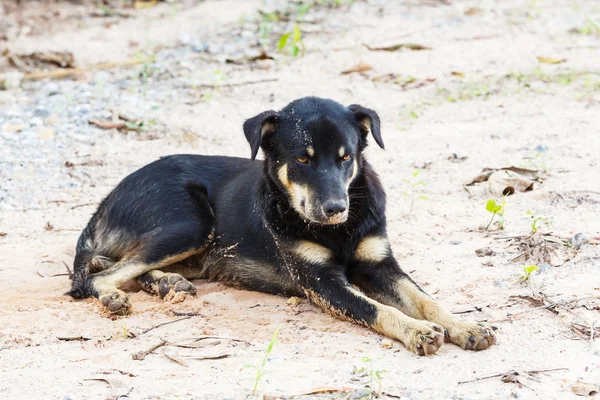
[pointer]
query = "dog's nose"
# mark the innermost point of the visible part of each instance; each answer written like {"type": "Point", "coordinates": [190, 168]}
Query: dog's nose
{"type": "Point", "coordinates": [333, 207]}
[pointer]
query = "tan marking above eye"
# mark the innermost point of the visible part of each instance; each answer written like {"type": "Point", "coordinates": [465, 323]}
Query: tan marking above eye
{"type": "Point", "coordinates": [310, 151]}
{"type": "Point", "coordinates": [342, 151]}
{"type": "Point", "coordinates": [302, 160]}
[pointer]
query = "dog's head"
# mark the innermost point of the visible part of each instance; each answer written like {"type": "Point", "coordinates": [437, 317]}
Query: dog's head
{"type": "Point", "coordinates": [313, 153]}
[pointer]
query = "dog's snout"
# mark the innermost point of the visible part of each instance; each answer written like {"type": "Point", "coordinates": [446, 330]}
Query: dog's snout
{"type": "Point", "coordinates": [334, 207]}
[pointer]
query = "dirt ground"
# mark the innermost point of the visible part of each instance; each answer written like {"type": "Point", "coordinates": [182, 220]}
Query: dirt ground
{"type": "Point", "coordinates": [501, 83]}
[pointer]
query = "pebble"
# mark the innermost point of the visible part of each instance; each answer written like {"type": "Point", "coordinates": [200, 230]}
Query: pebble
{"type": "Point", "coordinates": [578, 240]}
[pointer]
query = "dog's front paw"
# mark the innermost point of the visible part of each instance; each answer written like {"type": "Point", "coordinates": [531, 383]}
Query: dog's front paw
{"type": "Point", "coordinates": [424, 338]}
{"type": "Point", "coordinates": [471, 335]}
{"type": "Point", "coordinates": [117, 302]}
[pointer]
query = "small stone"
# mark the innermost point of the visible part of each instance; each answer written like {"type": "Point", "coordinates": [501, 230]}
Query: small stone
{"type": "Point", "coordinates": [41, 113]}
{"type": "Point", "coordinates": [455, 242]}
{"type": "Point", "coordinates": [578, 240]}
{"type": "Point", "coordinates": [387, 343]}
{"type": "Point", "coordinates": [294, 301]}
{"type": "Point", "coordinates": [484, 251]}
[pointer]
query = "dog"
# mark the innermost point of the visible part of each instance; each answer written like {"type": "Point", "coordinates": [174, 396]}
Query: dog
{"type": "Point", "coordinates": [307, 221]}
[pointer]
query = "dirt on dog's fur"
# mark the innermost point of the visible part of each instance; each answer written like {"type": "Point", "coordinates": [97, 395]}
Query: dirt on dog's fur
{"type": "Point", "coordinates": [480, 93]}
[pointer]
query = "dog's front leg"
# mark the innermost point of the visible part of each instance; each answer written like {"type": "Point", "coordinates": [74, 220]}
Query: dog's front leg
{"type": "Point", "coordinates": [326, 285]}
{"type": "Point", "coordinates": [375, 270]}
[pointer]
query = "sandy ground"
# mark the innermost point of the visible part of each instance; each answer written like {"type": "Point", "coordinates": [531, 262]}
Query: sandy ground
{"type": "Point", "coordinates": [478, 98]}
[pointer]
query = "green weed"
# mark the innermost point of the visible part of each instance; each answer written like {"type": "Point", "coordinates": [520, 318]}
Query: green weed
{"type": "Point", "coordinates": [496, 208]}
{"type": "Point", "coordinates": [260, 367]}
{"type": "Point", "coordinates": [412, 190]}
{"type": "Point", "coordinates": [528, 269]}
{"type": "Point", "coordinates": [537, 222]}
{"type": "Point", "coordinates": [296, 44]}
{"type": "Point", "coordinates": [375, 375]}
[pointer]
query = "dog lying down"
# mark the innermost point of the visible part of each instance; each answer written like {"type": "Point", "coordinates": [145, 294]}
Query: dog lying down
{"type": "Point", "coordinates": [308, 221]}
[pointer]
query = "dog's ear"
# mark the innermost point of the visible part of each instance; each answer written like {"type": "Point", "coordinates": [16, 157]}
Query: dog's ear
{"type": "Point", "coordinates": [368, 122]}
{"type": "Point", "coordinates": [257, 128]}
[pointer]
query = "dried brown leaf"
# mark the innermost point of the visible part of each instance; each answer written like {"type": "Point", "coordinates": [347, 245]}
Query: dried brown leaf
{"type": "Point", "coordinates": [175, 357]}
{"type": "Point", "coordinates": [107, 124]}
{"type": "Point", "coordinates": [399, 46]}
{"type": "Point", "coordinates": [584, 389]}
{"type": "Point", "coordinates": [550, 60]}
{"type": "Point", "coordinates": [360, 67]}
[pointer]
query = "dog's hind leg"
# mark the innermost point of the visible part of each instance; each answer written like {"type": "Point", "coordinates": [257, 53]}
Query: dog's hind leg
{"type": "Point", "coordinates": [156, 250]}
{"type": "Point", "coordinates": [161, 283]}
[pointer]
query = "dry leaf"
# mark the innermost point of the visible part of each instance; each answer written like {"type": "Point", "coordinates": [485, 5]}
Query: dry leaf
{"type": "Point", "coordinates": [197, 345]}
{"type": "Point", "coordinates": [140, 4]}
{"type": "Point", "coordinates": [294, 301]}
{"type": "Point", "coordinates": [108, 124]}
{"type": "Point", "coordinates": [399, 46]}
{"type": "Point", "coordinates": [326, 389]}
{"type": "Point", "coordinates": [360, 67]}
{"type": "Point", "coordinates": [504, 183]}
{"type": "Point", "coordinates": [175, 357]}
{"type": "Point", "coordinates": [209, 356]}
{"type": "Point", "coordinates": [3, 234]}
{"type": "Point", "coordinates": [584, 389]}
{"type": "Point", "coordinates": [118, 388]}
{"type": "Point", "coordinates": [549, 60]}
{"type": "Point", "coordinates": [472, 11]}
{"type": "Point", "coordinates": [457, 73]}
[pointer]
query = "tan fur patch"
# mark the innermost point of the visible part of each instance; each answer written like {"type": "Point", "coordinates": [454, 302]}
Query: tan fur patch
{"type": "Point", "coordinates": [342, 151]}
{"type": "Point", "coordinates": [354, 173]}
{"type": "Point", "coordinates": [419, 305]}
{"type": "Point", "coordinates": [366, 125]}
{"type": "Point", "coordinates": [282, 174]}
{"type": "Point", "coordinates": [372, 249]}
{"type": "Point", "coordinates": [312, 252]}
{"type": "Point", "coordinates": [267, 129]}
{"type": "Point", "coordinates": [310, 151]}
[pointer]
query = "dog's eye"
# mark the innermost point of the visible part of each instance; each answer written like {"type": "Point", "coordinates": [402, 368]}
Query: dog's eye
{"type": "Point", "coordinates": [302, 160]}
{"type": "Point", "coordinates": [346, 157]}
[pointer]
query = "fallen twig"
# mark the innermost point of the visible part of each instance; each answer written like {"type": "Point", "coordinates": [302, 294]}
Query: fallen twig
{"type": "Point", "coordinates": [533, 372]}
{"type": "Point", "coordinates": [73, 338]}
{"type": "Point", "coordinates": [140, 355]}
{"type": "Point", "coordinates": [108, 124]}
{"type": "Point", "coordinates": [66, 72]}
{"type": "Point", "coordinates": [68, 270]}
{"type": "Point", "coordinates": [166, 323]}
{"type": "Point", "coordinates": [185, 314]}
{"type": "Point", "coordinates": [232, 84]}
{"type": "Point", "coordinates": [552, 305]}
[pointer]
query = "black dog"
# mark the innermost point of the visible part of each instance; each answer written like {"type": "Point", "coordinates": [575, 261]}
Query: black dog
{"type": "Point", "coordinates": [309, 221]}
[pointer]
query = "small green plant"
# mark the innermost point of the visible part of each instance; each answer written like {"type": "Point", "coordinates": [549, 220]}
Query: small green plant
{"type": "Point", "coordinates": [496, 208]}
{"type": "Point", "coordinates": [591, 27]}
{"type": "Point", "coordinates": [412, 192]}
{"type": "Point", "coordinates": [260, 367]}
{"type": "Point", "coordinates": [528, 269]}
{"type": "Point", "coordinates": [375, 375]}
{"type": "Point", "coordinates": [537, 222]}
{"type": "Point", "coordinates": [296, 44]}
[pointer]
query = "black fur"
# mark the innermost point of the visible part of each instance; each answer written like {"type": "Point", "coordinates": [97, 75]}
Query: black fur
{"type": "Point", "coordinates": [244, 211]}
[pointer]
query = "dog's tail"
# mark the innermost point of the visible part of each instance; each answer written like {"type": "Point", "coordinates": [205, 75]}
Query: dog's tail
{"type": "Point", "coordinates": [87, 261]}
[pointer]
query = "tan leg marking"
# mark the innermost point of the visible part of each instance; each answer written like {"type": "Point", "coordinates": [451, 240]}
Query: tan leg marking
{"type": "Point", "coordinates": [312, 252]}
{"type": "Point", "coordinates": [421, 337]}
{"type": "Point", "coordinates": [372, 249]}
{"type": "Point", "coordinates": [466, 334]}
{"type": "Point", "coordinates": [109, 280]}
